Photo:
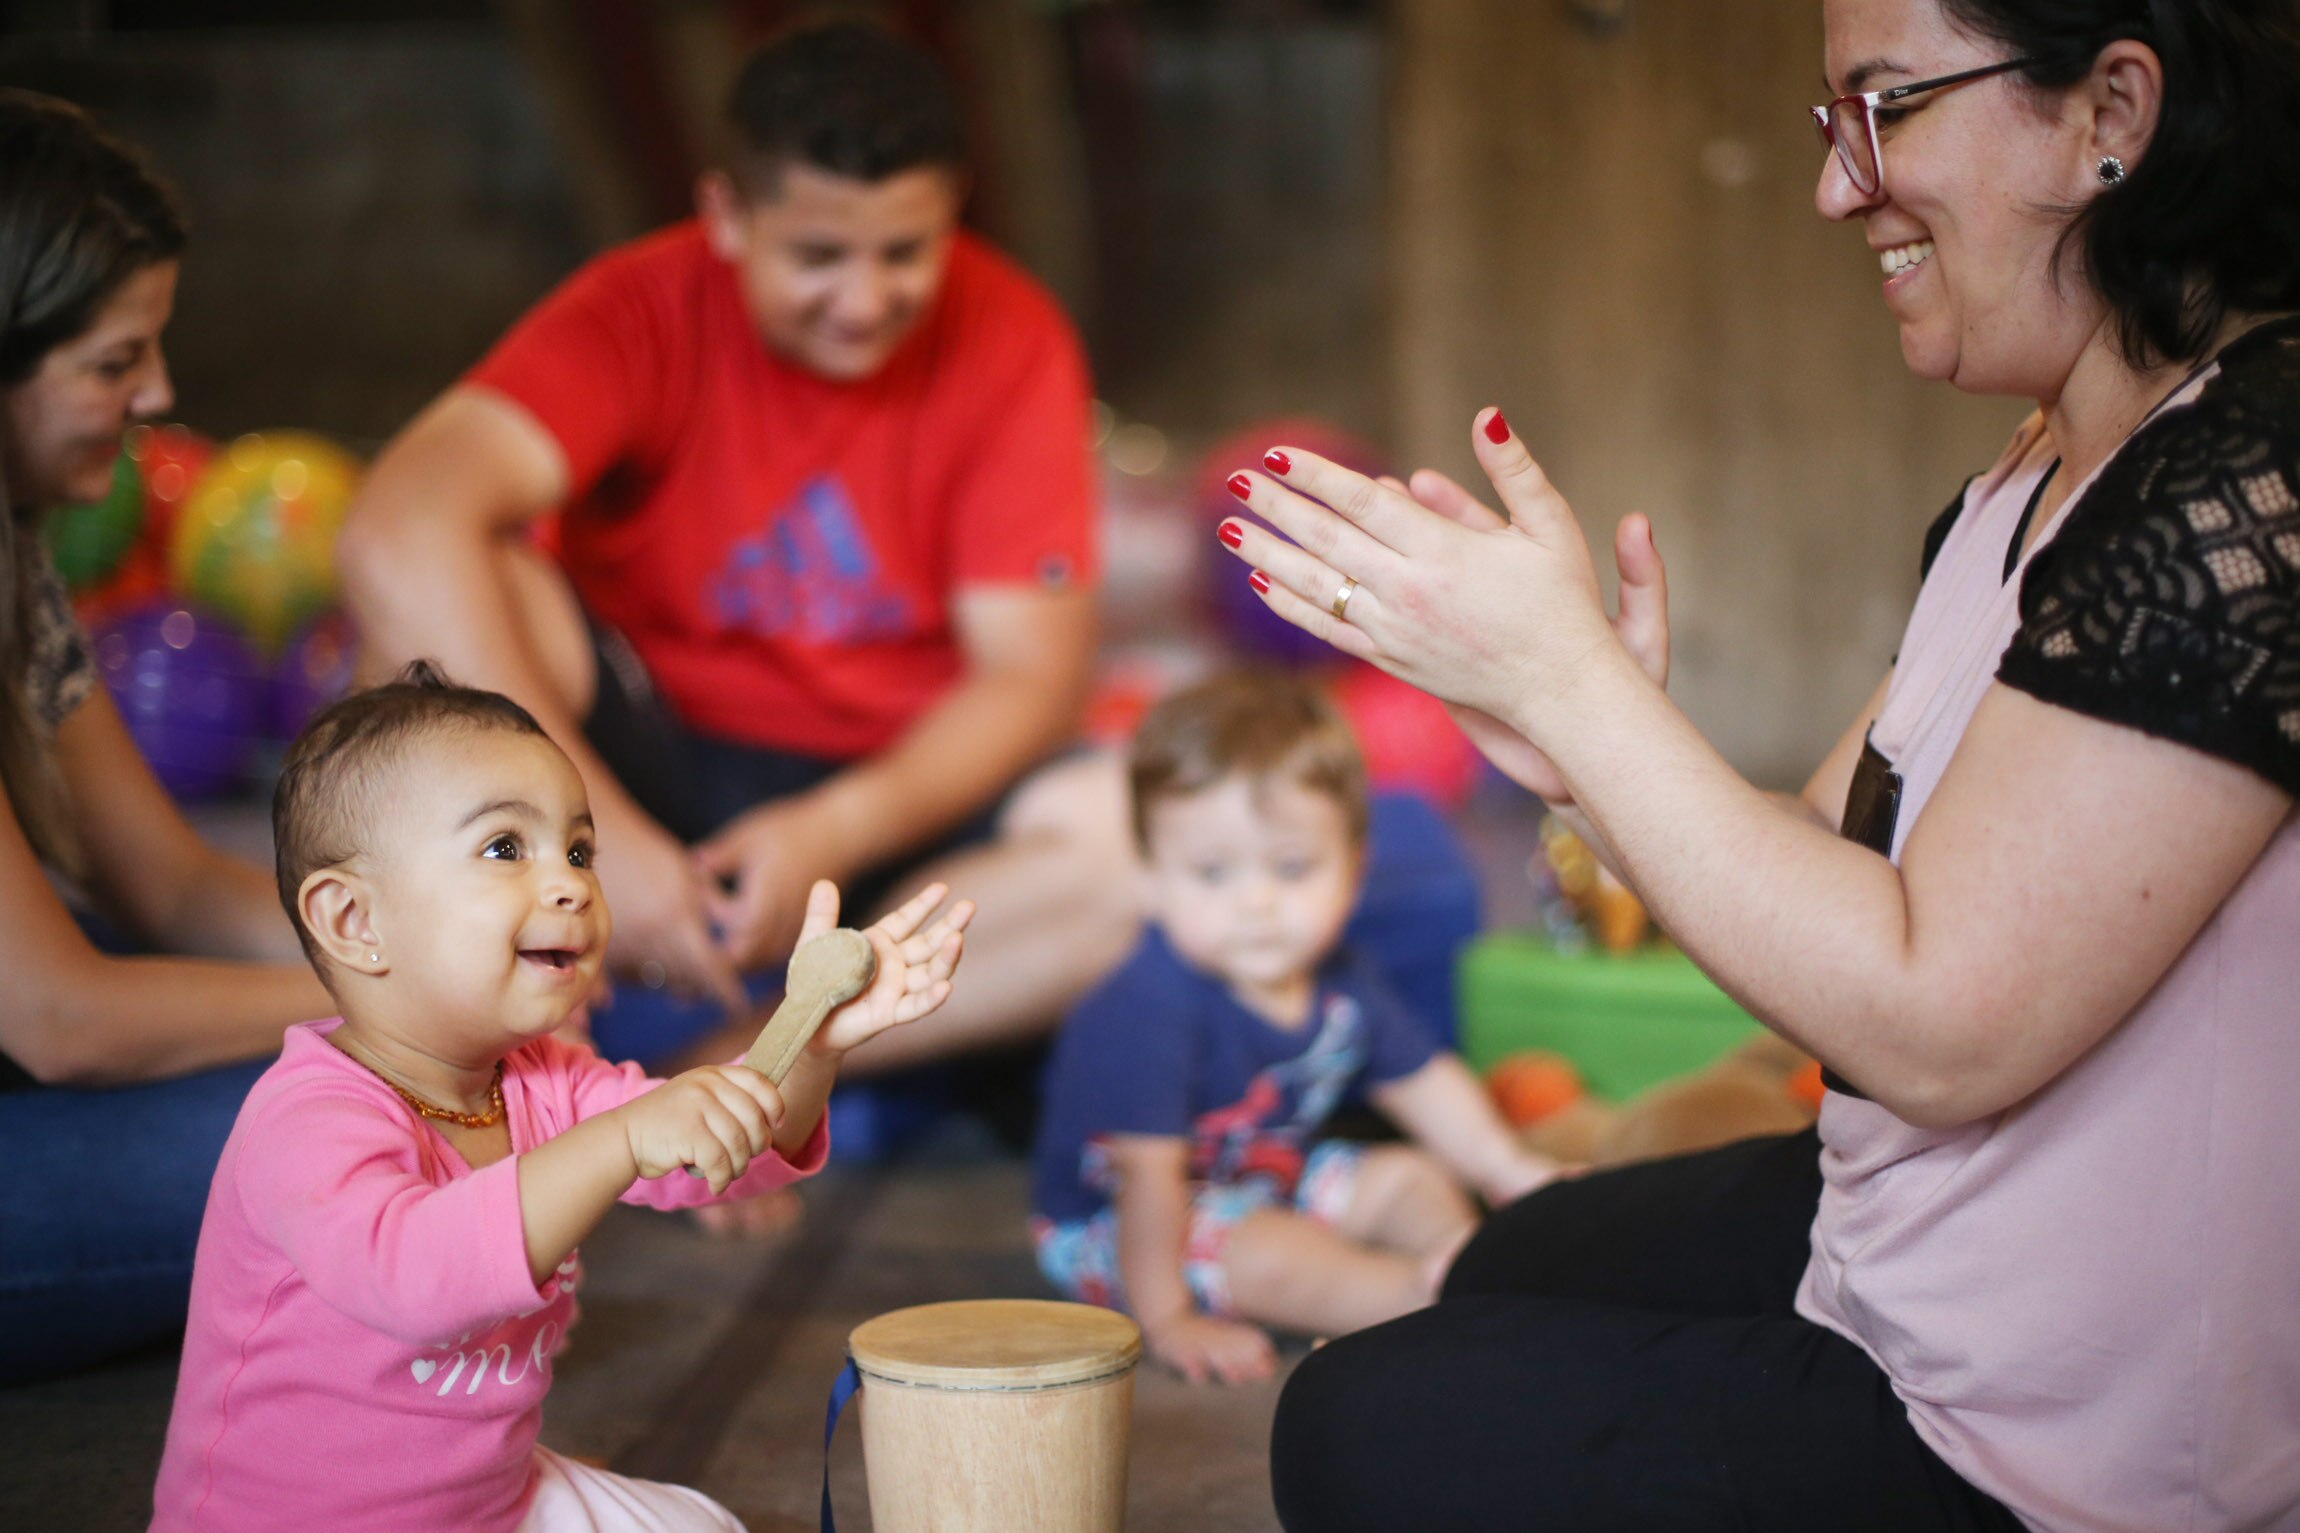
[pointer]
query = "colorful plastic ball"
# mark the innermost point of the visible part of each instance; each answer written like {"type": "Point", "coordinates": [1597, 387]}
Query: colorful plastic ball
{"type": "Point", "coordinates": [256, 541]}
{"type": "Point", "coordinates": [1133, 677]}
{"type": "Point", "coordinates": [1408, 739]}
{"type": "Point", "coordinates": [1533, 1085]}
{"type": "Point", "coordinates": [1115, 706]}
{"type": "Point", "coordinates": [170, 460]}
{"type": "Point", "coordinates": [314, 671]}
{"type": "Point", "coordinates": [137, 581]}
{"type": "Point", "coordinates": [1251, 627]}
{"type": "Point", "coordinates": [165, 460]}
{"type": "Point", "coordinates": [89, 543]}
{"type": "Point", "coordinates": [192, 693]}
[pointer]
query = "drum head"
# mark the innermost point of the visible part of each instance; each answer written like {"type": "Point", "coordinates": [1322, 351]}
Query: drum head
{"type": "Point", "coordinates": [996, 1344]}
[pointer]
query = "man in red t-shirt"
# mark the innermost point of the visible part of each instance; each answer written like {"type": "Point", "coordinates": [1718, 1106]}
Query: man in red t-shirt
{"type": "Point", "coordinates": [782, 522]}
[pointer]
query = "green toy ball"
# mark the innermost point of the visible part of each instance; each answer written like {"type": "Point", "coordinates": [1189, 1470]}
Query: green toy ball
{"type": "Point", "coordinates": [88, 543]}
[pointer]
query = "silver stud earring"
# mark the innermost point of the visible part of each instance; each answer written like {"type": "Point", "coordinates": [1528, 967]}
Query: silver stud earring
{"type": "Point", "coordinates": [375, 958]}
{"type": "Point", "coordinates": [2110, 170]}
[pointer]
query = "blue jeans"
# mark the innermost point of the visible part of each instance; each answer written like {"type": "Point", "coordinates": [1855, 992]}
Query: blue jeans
{"type": "Point", "coordinates": [101, 1194]}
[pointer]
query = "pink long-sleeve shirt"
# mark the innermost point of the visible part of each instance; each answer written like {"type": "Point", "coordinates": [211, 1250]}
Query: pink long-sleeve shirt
{"type": "Point", "coordinates": [366, 1348]}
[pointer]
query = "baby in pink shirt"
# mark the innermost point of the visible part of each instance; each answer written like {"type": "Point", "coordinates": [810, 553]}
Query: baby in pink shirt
{"type": "Point", "coordinates": [388, 1258]}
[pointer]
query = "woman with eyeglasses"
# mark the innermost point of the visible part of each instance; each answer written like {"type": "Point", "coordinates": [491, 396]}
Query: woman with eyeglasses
{"type": "Point", "coordinates": [119, 1076]}
{"type": "Point", "coordinates": [2038, 912]}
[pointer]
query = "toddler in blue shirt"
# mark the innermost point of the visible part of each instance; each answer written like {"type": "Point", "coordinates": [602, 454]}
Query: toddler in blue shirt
{"type": "Point", "coordinates": [1179, 1173]}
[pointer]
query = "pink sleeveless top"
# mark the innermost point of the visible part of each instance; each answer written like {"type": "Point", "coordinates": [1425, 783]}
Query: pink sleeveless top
{"type": "Point", "coordinates": [2090, 1302]}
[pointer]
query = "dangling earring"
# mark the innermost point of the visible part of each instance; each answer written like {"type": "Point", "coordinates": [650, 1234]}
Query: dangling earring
{"type": "Point", "coordinates": [2110, 170]}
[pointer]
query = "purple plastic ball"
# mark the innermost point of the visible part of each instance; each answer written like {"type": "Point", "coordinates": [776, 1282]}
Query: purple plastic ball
{"type": "Point", "coordinates": [314, 671]}
{"type": "Point", "coordinates": [1245, 620]}
{"type": "Point", "coordinates": [1252, 628]}
{"type": "Point", "coordinates": [192, 692]}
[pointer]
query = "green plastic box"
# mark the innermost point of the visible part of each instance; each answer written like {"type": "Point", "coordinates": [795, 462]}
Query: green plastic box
{"type": "Point", "coordinates": [1627, 1022]}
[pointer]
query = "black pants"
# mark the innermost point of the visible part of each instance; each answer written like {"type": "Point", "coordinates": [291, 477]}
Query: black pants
{"type": "Point", "coordinates": [694, 783]}
{"type": "Point", "coordinates": [1619, 1352]}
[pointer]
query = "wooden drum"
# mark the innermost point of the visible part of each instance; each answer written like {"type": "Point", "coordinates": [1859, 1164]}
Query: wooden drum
{"type": "Point", "coordinates": [996, 1416]}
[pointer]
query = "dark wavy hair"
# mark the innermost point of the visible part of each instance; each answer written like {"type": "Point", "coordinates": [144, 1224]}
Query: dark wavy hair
{"type": "Point", "coordinates": [848, 96]}
{"type": "Point", "coordinates": [80, 213]}
{"type": "Point", "coordinates": [2208, 221]}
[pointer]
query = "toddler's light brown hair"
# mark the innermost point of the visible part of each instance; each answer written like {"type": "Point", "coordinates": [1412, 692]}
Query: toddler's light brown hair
{"type": "Point", "coordinates": [1255, 723]}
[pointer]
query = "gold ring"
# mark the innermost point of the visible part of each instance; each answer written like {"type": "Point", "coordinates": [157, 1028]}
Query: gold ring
{"type": "Point", "coordinates": [1342, 599]}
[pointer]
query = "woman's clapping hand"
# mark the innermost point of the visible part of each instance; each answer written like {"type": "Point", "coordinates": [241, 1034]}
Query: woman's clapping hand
{"type": "Point", "coordinates": [1492, 614]}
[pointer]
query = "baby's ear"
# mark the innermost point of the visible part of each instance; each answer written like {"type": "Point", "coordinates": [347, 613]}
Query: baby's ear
{"type": "Point", "coordinates": [334, 904]}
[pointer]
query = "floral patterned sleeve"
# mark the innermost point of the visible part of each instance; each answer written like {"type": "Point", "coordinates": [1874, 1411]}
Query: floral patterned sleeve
{"type": "Point", "coordinates": [62, 669]}
{"type": "Point", "coordinates": [2170, 600]}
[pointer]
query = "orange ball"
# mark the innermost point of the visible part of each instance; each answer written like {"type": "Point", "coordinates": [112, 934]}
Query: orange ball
{"type": "Point", "coordinates": [1528, 1087]}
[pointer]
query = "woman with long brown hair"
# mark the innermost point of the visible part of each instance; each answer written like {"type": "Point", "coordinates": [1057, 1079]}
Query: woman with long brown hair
{"type": "Point", "coordinates": [119, 1075]}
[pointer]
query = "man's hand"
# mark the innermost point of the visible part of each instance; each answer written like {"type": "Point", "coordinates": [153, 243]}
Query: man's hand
{"type": "Point", "coordinates": [771, 855]}
{"type": "Point", "coordinates": [1200, 1347]}
{"type": "Point", "coordinates": [662, 930]}
{"type": "Point", "coordinates": [714, 1120]}
{"type": "Point", "coordinates": [915, 962]}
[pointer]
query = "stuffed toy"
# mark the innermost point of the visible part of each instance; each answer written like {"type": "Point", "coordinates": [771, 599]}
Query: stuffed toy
{"type": "Point", "coordinates": [1765, 1086]}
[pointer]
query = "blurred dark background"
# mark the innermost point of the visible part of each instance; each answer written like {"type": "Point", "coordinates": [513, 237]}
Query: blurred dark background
{"type": "Point", "coordinates": [1379, 215]}
{"type": "Point", "coordinates": [379, 188]}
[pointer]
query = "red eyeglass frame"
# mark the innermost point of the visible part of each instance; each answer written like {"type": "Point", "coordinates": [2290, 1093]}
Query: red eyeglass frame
{"type": "Point", "coordinates": [1869, 101]}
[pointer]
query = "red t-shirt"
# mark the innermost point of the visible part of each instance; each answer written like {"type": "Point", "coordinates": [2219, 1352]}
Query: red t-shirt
{"type": "Point", "coordinates": [782, 548]}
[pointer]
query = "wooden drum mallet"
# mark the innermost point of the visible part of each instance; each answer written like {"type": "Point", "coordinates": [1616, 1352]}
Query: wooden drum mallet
{"type": "Point", "coordinates": [996, 1416]}
{"type": "Point", "coordinates": [829, 970]}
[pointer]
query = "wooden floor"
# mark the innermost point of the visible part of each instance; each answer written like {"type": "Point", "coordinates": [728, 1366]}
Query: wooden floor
{"type": "Point", "coordinates": [708, 1362]}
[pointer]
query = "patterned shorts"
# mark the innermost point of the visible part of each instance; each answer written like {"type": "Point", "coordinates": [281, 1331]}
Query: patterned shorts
{"type": "Point", "coordinates": [1081, 1258]}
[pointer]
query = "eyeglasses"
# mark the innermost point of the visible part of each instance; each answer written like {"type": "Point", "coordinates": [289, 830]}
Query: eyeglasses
{"type": "Point", "coordinates": [1849, 123]}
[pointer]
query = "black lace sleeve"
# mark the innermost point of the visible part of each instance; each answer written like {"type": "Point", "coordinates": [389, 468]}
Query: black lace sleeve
{"type": "Point", "coordinates": [2170, 599]}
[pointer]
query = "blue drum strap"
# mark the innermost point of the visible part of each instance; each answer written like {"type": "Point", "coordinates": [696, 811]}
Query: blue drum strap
{"type": "Point", "coordinates": [842, 1390]}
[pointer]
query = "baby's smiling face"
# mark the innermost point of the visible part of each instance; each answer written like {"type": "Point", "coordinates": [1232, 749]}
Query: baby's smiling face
{"type": "Point", "coordinates": [484, 901]}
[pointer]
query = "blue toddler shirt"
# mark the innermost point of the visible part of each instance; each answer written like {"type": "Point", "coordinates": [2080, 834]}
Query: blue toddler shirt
{"type": "Point", "coordinates": [1161, 1049]}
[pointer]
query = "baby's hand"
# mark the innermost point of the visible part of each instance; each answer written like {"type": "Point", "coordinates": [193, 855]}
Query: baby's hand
{"type": "Point", "coordinates": [713, 1120]}
{"type": "Point", "coordinates": [1200, 1347]}
{"type": "Point", "coordinates": [914, 965]}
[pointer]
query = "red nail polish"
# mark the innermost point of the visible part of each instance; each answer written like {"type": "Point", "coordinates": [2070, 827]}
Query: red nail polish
{"type": "Point", "coordinates": [1259, 581]}
{"type": "Point", "coordinates": [1241, 486]}
{"type": "Point", "coordinates": [1276, 461]}
{"type": "Point", "coordinates": [1496, 429]}
{"type": "Point", "coordinates": [1231, 534]}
